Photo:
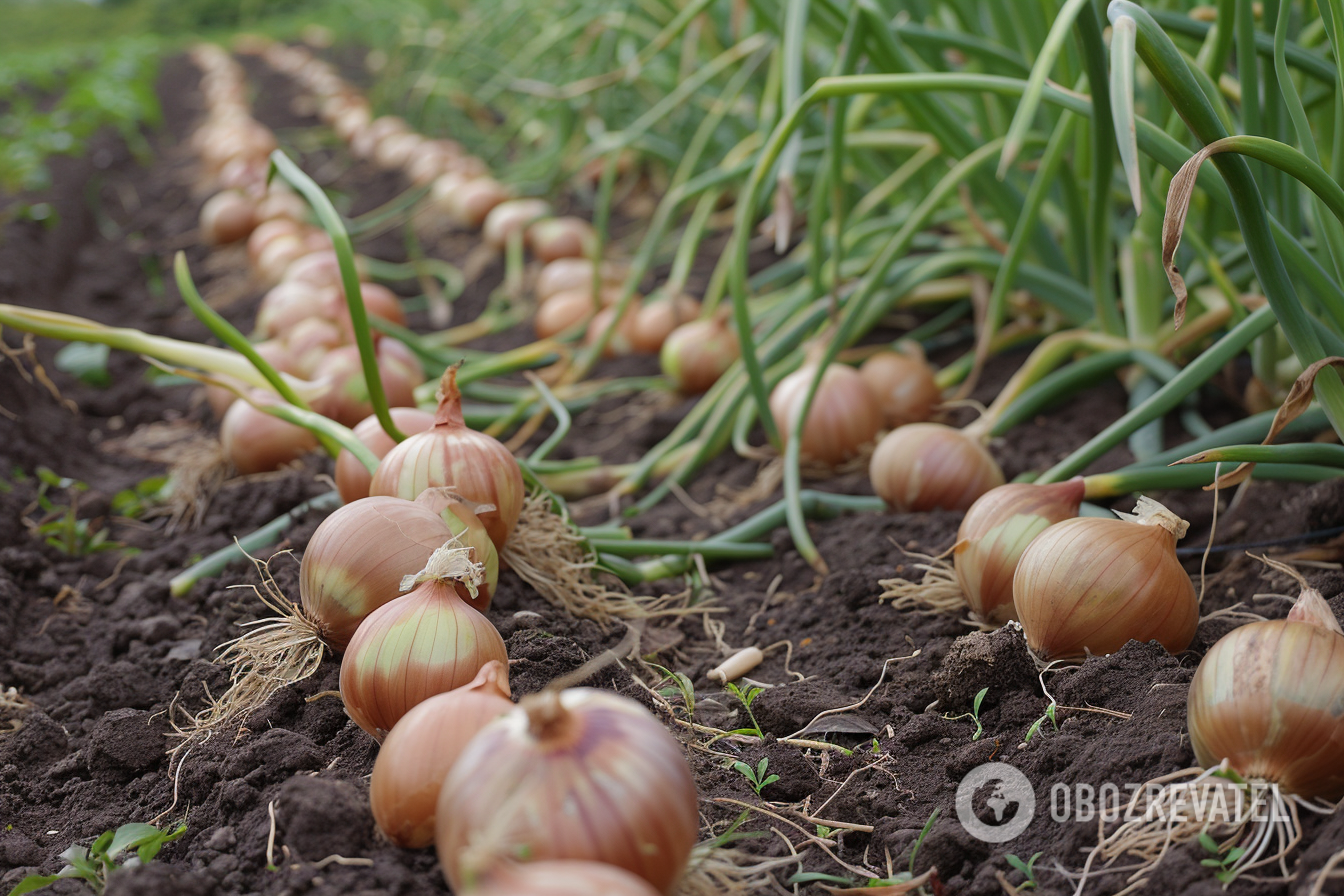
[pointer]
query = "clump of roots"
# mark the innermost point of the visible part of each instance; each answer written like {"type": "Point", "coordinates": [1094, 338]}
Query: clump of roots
{"type": "Point", "coordinates": [937, 593]}
{"type": "Point", "coordinates": [552, 556]}
{"type": "Point", "coordinates": [1252, 817]}
{"type": "Point", "coordinates": [718, 870]}
{"type": "Point", "coordinates": [196, 464]}
{"type": "Point", "coordinates": [274, 653]}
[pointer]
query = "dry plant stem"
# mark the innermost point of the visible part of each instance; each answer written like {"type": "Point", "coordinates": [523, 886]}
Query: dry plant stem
{"type": "Point", "coordinates": [1327, 873]}
{"type": "Point", "coordinates": [275, 652]}
{"type": "Point", "coordinates": [937, 593]}
{"type": "Point", "coordinates": [551, 555]}
{"type": "Point", "coordinates": [715, 870]}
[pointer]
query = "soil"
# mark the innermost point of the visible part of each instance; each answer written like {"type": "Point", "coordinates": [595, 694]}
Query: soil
{"type": "Point", "coordinates": [104, 656]}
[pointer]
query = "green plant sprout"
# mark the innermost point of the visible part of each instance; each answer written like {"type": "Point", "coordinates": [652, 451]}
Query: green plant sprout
{"type": "Point", "coordinates": [60, 525]}
{"type": "Point", "coordinates": [973, 715]}
{"type": "Point", "coordinates": [1049, 715]}
{"type": "Point", "coordinates": [923, 835]}
{"type": "Point", "coordinates": [681, 686]}
{"type": "Point", "coordinates": [134, 502]}
{"type": "Point", "coordinates": [757, 776]}
{"type": "Point", "coordinates": [746, 698]}
{"type": "Point", "coordinates": [1028, 869]}
{"type": "Point", "coordinates": [94, 864]}
{"type": "Point", "coordinates": [1222, 861]}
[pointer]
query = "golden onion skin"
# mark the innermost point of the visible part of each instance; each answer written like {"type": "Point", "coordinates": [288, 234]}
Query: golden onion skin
{"type": "Point", "coordinates": [585, 774]}
{"type": "Point", "coordinates": [994, 533]}
{"type": "Point", "coordinates": [406, 651]}
{"type": "Point", "coordinates": [1089, 585]}
{"type": "Point", "coordinates": [1269, 698]}
{"type": "Point", "coordinates": [929, 466]}
{"type": "Point", "coordinates": [562, 878]}
{"type": "Point", "coordinates": [352, 477]}
{"type": "Point", "coordinates": [843, 418]}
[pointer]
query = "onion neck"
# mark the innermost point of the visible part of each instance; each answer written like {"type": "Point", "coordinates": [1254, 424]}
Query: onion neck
{"type": "Point", "coordinates": [547, 718]}
{"type": "Point", "coordinates": [449, 412]}
{"type": "Point", "coordinates": [1148, 512]}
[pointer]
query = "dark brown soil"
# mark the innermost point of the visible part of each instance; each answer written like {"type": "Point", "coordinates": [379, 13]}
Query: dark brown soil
{"type": "Point", "coordinates": [103, 653]}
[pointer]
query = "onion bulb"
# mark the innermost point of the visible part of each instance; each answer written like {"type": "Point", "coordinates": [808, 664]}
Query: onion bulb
{"type": "Point", "coordinates": [451, 454]}
{"type": "Point", "coordinates": [352, 477]}
{"type": "Point", "coordinates": [696, 354]}
{"type": "Point", "coordinates": [995, 532]}
{"type": "Point", "coordinates": [562, 877]}
{"type": "Point", "coordinates": [567, 237]}
{"type": "Point", "coordinates": [929, 466]}
{"type": "Point", "coordinates": [579, 774]}
{"type": "Point", "coordinates": [903, 385]}
{"type": "Point", "coordinates": [421, 748]}
{"type": "Point", "coordinates": [509, 219]}
{"type": "Point", "coordinates": [355, 561]}
{"type": "Point", "coordinates": [622, 339]}
{"type": "Point", "coordinates": [309, 341]}
{"type": "Point", "coordinates": [462, 517]}
{"type": "Point", "coordinates": [347, 398]}
{"type": "Point", "coordinates": [573, 273]}
{"type": "Point", "coordinates": [421, 644]}
{"type": "Point", "coordinates": [267, 231]}
{"type": "Point", "coordinates": [658, 318]}
{"type": "Point", "coordinates": [1088, 585]}
{"type": "Point", "coordinates": [1267, 698]}
{"type": "Point", "coordinates": [258, 442]}
{"type": "Point", "coordinates": [227, 217]}
{"type": "Point", "coordinates": [273, 352]}
{"type": "Point", "coordinates": [563, 311]}
{"type": "Point", "coordinates": [471, 202]}
{"type": "Point", "coordinates": [844, 414]}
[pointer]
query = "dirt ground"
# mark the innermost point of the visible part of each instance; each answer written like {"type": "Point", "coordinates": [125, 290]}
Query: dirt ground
{"type": "Point", "coordinates": [103, 654]}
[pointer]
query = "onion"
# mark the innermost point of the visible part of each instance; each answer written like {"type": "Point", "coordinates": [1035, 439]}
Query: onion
{"type": "Point", "coordinates": [1267, 698]}
{"type": "Point", "coordinates": [352, 477]}
{"type": "Point", "coordinates": [563, 311]}
{"type": "Point", "coordinates": [929, 466]}
{"type": "Point", "coordinates": [309, 341]}
{"type": "Point", "coordinates": [366, 140]}
{"type": "Point", "coordinates": [450, 454]}
{"type": "Point", "coordinates": [509, 219]}
{"type": "Point", "coordinates": [266, 232]}
{"type": "Point", "coordinates": [227, 217]}
{"type": "Point", "coordinates": [844, 415]}
{"type": "Point", "coordinates": [658, 318]}
{"type": "Point", "coordinates": [347, 399]}
{"type": "Point", "coordinates": [257, 442]}
{"type": "Point", "coordinates": [287, 303]}
{"type": "Point", "coordinates": [421, 749]}
{"type": "Point", "coordinates": [622, 339]}
{"type": "Point", "coordinates": [282, 204]}
{"type": "Point", "coordinates": [580, 774]}
{"type": "Point", "coordinates": [562, 877]}
{"type": "Point", "coordinates": [274, 352]}
{"type": "Point", "coordinates": [462, 517]}
{"type": "Point", "coordinates": [696, 354]}
{"type": "Point", "coordinates": [573, 273]}
{"type": "Point", "coordinates": [1089, 585]}
{"type": "Point", "coordinates": [443, 192]}
{"type": "Point", "coordinates": [424, 643]}
{"type": "Point", "coordinates": [471, 202]}
{"type": "Point", "coordinates": [278, 254]}
{"type": "Point", "coordinates": [567, 237]}
{"type": "Point", "coordinates": [395, 150]}
{"type": "Point", "coordinates": [358, 556]}
{"type": "Point", "coordinates": [995, 532]}
{"type": "Point", "coordinates": [903, 385]}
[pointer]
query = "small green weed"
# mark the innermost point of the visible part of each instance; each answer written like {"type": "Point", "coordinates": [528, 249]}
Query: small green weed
{"type": "Point", "coordinates": [746, 697]}
{"type": "Point", "coordinates": [1223, 861]}
{"type": "Point", "coordinates": [1028, 869]}
{"type": "Point", "coordinates": [93, 864]}
{"type": "Point", "coordinates": [60, 525]}
{"type": "Point", "coordinates": [973, 715]}
{"type": "Point", "coordinates": [757, 776]}
{"type": "Point", "coordinates": [1049, 716]}
{"type": "Point", "coordinates": [681, 687]}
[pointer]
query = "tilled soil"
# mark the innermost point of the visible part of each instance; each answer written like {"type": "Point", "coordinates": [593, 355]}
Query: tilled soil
{"type": "Point", "coordinates": [105, 657]}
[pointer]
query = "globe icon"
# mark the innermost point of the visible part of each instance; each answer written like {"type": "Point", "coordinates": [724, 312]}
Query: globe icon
{"type": "Point", "coordinates": [995, 802]}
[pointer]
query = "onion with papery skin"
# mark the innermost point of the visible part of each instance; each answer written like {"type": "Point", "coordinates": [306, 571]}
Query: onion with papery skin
{"type": "Point", "coordinates": [285, 304]}
{"type": "Point", "coordinates": [621, 342]}
{"type": "Point", "coordinates": [510, 219]}
{"type": "Point", "coordinates": [352, 477]}
{"type": "Point", "coordinates": [565, 237]}
{"type": "Point", "coordinates": [658, 318]}
{"type": "Point", "coordinates": [421, 644]}
{"type": "Point", "coordinates": [268, 231]}
{"type": "Point", "coordinates": [358, 556]}
{"type": "Point", "coordinates": [563, 311]}
{"type": "Point", "coordinates": [843, 418]}
{"type": "Point", "coordinates": [1267, 698]}
{"type": "Point", "coordinates": [275, 353]}
{"type": "Point", "coordinates": [309, 341]}
{"type": "Point", "coordinates": [227, 217]}
{"type": "Point", "coordinates": [579, 774]}
{"type": "Point", "coordinates": [475, 465]}
{"type": "Point", "coordinates": [470, 203]}
{"type": "Point", "coordinates": [903, 385]}
{"type": "Point", "coordinates": [421, 748]}
{"type": "Point", "coordinates": [347, 399]}
{"type": "Point", "coordinates": [1089, 585]}
{"type": "Point", "coordinates": [258, 442]}
{"type": "Point", "coordinates": [929, 466]}
{"type": "Point", "coordinates": [278, 254]}
{"type": "Point", "coordinates": [994, 533]}
{"type": "Point", "coordinates": [462, 517]}
{"type": "Point", "coordinates": [696, 354]}
{"type": "Point", "coordinates": [562, 877]}
{"type": "Point", "coordinates": [573, 273]}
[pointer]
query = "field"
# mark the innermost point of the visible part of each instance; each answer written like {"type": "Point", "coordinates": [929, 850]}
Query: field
{"type": "Point", "coordinates": [700, 523]}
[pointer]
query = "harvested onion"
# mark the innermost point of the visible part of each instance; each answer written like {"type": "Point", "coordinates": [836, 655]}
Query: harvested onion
{"type": "Point", "coordinates": [573, 273]}
{"type": "Point", "coordinates": [903, 385]}
{"type": "Point", "coordinates": [929, 466]}
{"type": "Point", "coordinates": [658, 318]}
{"type": "Point", "coordinates": [621, 342]}
{"type": "Point", "coordinates": [352, 477]}
{"type": "Point", "coordinates": [844, 414]}
{"type": "Point", "coordinates": [421, 748]}
{"type": "Point", "coordinates": [580, 774]}
{"type": "Point", "coordinates": [347, 399]}
{"type": "Point", "coordinates": [510, 219]}
{"type": "Point", "coordinates": [562, 877]}
{"type": "Point", "coordinates": [227, 217]}
{"type": "Point", "coordinates": [567, 237]}
{"type": "Point", "coordinates": [257, 442]}
{"type": "Point", "coordinates": [421, 644]}
{"type": "Point", "coordinates": [563, 311]}
{"type": "Point", "coordinates": [1267, 699]}
{"type": "Point", "coordinates": [1088, 585]}
{"type": "Point", "coordinates": [995, 532]}
{"type": "Point", "coordinates": [696, 354]}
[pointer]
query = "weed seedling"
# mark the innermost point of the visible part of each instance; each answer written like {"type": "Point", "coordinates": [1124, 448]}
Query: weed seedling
{"type": "Point", "coordinates": [973, 715]}
{"type": "Point", "coordinates": [1223, 861]}
{"type": "Point", "coordinates": [1028, 869]}
{"type": "Point", "coordinates": [757, 776]}
{"type": "Point", "coordinates": [93, 864]}
{"type": "Point", "coordinates": [60, 524]}
{"type": "Point", "coordinates": [681, 687]}
{"type": "Point", "coordinates": [1036, 725]}
{"type": "Point", "coordinates": [924, 832]}
{"type": "Point", "coordinates": [746, 698]}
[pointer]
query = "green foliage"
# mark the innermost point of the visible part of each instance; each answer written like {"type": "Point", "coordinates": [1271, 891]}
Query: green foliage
{"type": "Point", "coordinates": [757, 776]}
{"type": "Point", "coordinates": [1224, 862]}
{"type": "Point", "coordinates": [681, 686]}
{"type": "Point", "coordinates": [974, 714]}
{"type": "Point", "coordinates": [746, 697]}
{"type": "Point", "coordinates": [1049, 716]}
{"type": "Point", "coordinates": [94, 864]}
{"type": "Point", "coordinates": [1028, 869]}
{"type": "Point", "coordinates": [60, 525]}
